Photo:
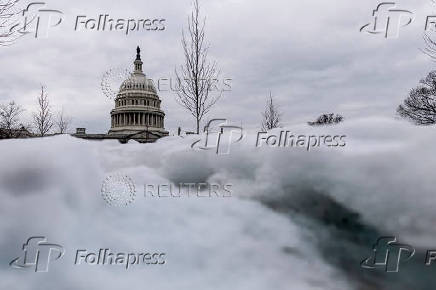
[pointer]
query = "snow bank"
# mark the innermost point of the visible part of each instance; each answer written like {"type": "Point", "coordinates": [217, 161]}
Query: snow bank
{"type": "Point", "coordinates": [51, 187]}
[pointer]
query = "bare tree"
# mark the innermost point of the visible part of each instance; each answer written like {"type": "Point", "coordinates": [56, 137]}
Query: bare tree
{"type": "Point", "coordinates": [8, 27]}
{"type": "Point", "coordinates": [196, 75]}
{"type": "Point", "coordinates": [327, 119]}
{"type": "Point", "coordinates": [420, 105]}
{"type": "Point", "coordinates": [62, 122]}
{"type": "Point", "coordinates": [430, 43]}
{"type": "Point", "coordinates": [9, 117]}
{"type": "Point", "coordinates": [43, 119]}
{"type": "Point", "coordinates": [271, 116]}
{"type": "Point", "coordinates": [430, 47]}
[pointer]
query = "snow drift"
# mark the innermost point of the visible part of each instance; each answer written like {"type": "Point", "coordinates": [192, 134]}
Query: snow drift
{"type": "Point", "coordinates": [51, 187]}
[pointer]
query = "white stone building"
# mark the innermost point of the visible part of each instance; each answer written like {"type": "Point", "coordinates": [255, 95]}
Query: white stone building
{"type": "Point", "coordinates": [137, 108]}
{"type": "Point", "coordinates": [137, 114]}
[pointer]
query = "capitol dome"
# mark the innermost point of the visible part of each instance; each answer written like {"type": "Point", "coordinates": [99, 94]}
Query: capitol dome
{"type": "Point", "coordinates": [138, 82]}
{"type": "Point", "coordinates": [137, 111]}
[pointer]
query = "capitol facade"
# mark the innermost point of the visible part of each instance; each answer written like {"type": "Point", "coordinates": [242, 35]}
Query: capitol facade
{"type": "Point", "coordinates": [137, 107]}
{"type": "Point", "coordinates": [137, 114]}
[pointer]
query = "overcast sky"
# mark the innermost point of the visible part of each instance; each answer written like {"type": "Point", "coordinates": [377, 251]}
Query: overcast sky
{"type": "Point", "coordinates": [309, 54]}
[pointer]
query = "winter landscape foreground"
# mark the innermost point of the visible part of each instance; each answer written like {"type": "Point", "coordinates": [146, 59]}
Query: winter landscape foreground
{"type": "Point", "coordinates": [297, 219]}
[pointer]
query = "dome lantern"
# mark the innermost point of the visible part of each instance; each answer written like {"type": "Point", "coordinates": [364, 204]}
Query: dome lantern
{"type": "Point", "coordinates": [138, 62]}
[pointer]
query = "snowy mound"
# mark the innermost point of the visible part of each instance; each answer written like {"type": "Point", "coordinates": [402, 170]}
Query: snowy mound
{"type": "Point", "coordinates": [52, 187]}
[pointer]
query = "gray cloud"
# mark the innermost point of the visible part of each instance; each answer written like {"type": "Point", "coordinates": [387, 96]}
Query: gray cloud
{"type": "Point", "coordinates": [310, 55]}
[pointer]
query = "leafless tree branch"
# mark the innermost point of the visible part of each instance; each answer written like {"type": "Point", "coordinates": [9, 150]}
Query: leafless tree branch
{"type": "Point", "coordinates": [420, 105]}
{"type": "Point", "coordinates": [9, 31]}
{"type": "Point", "coordinates": [196, 75]}
{"type": "Point", "coordinates": [271, 116]}
{"type": "Point", "coordinates": [9, 117]}
{"type": "Point", "coordinates": [63, 122]}
{"type": "Point", "coordinates": [43, 118]}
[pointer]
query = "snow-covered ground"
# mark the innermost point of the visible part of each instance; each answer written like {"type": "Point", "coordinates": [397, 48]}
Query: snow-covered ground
{"type": "Point", "coordinates": [271, 234]}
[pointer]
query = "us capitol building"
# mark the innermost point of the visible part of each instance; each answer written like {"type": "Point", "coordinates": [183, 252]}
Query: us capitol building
{"type": "Point", "coordinates": [137, 114]}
